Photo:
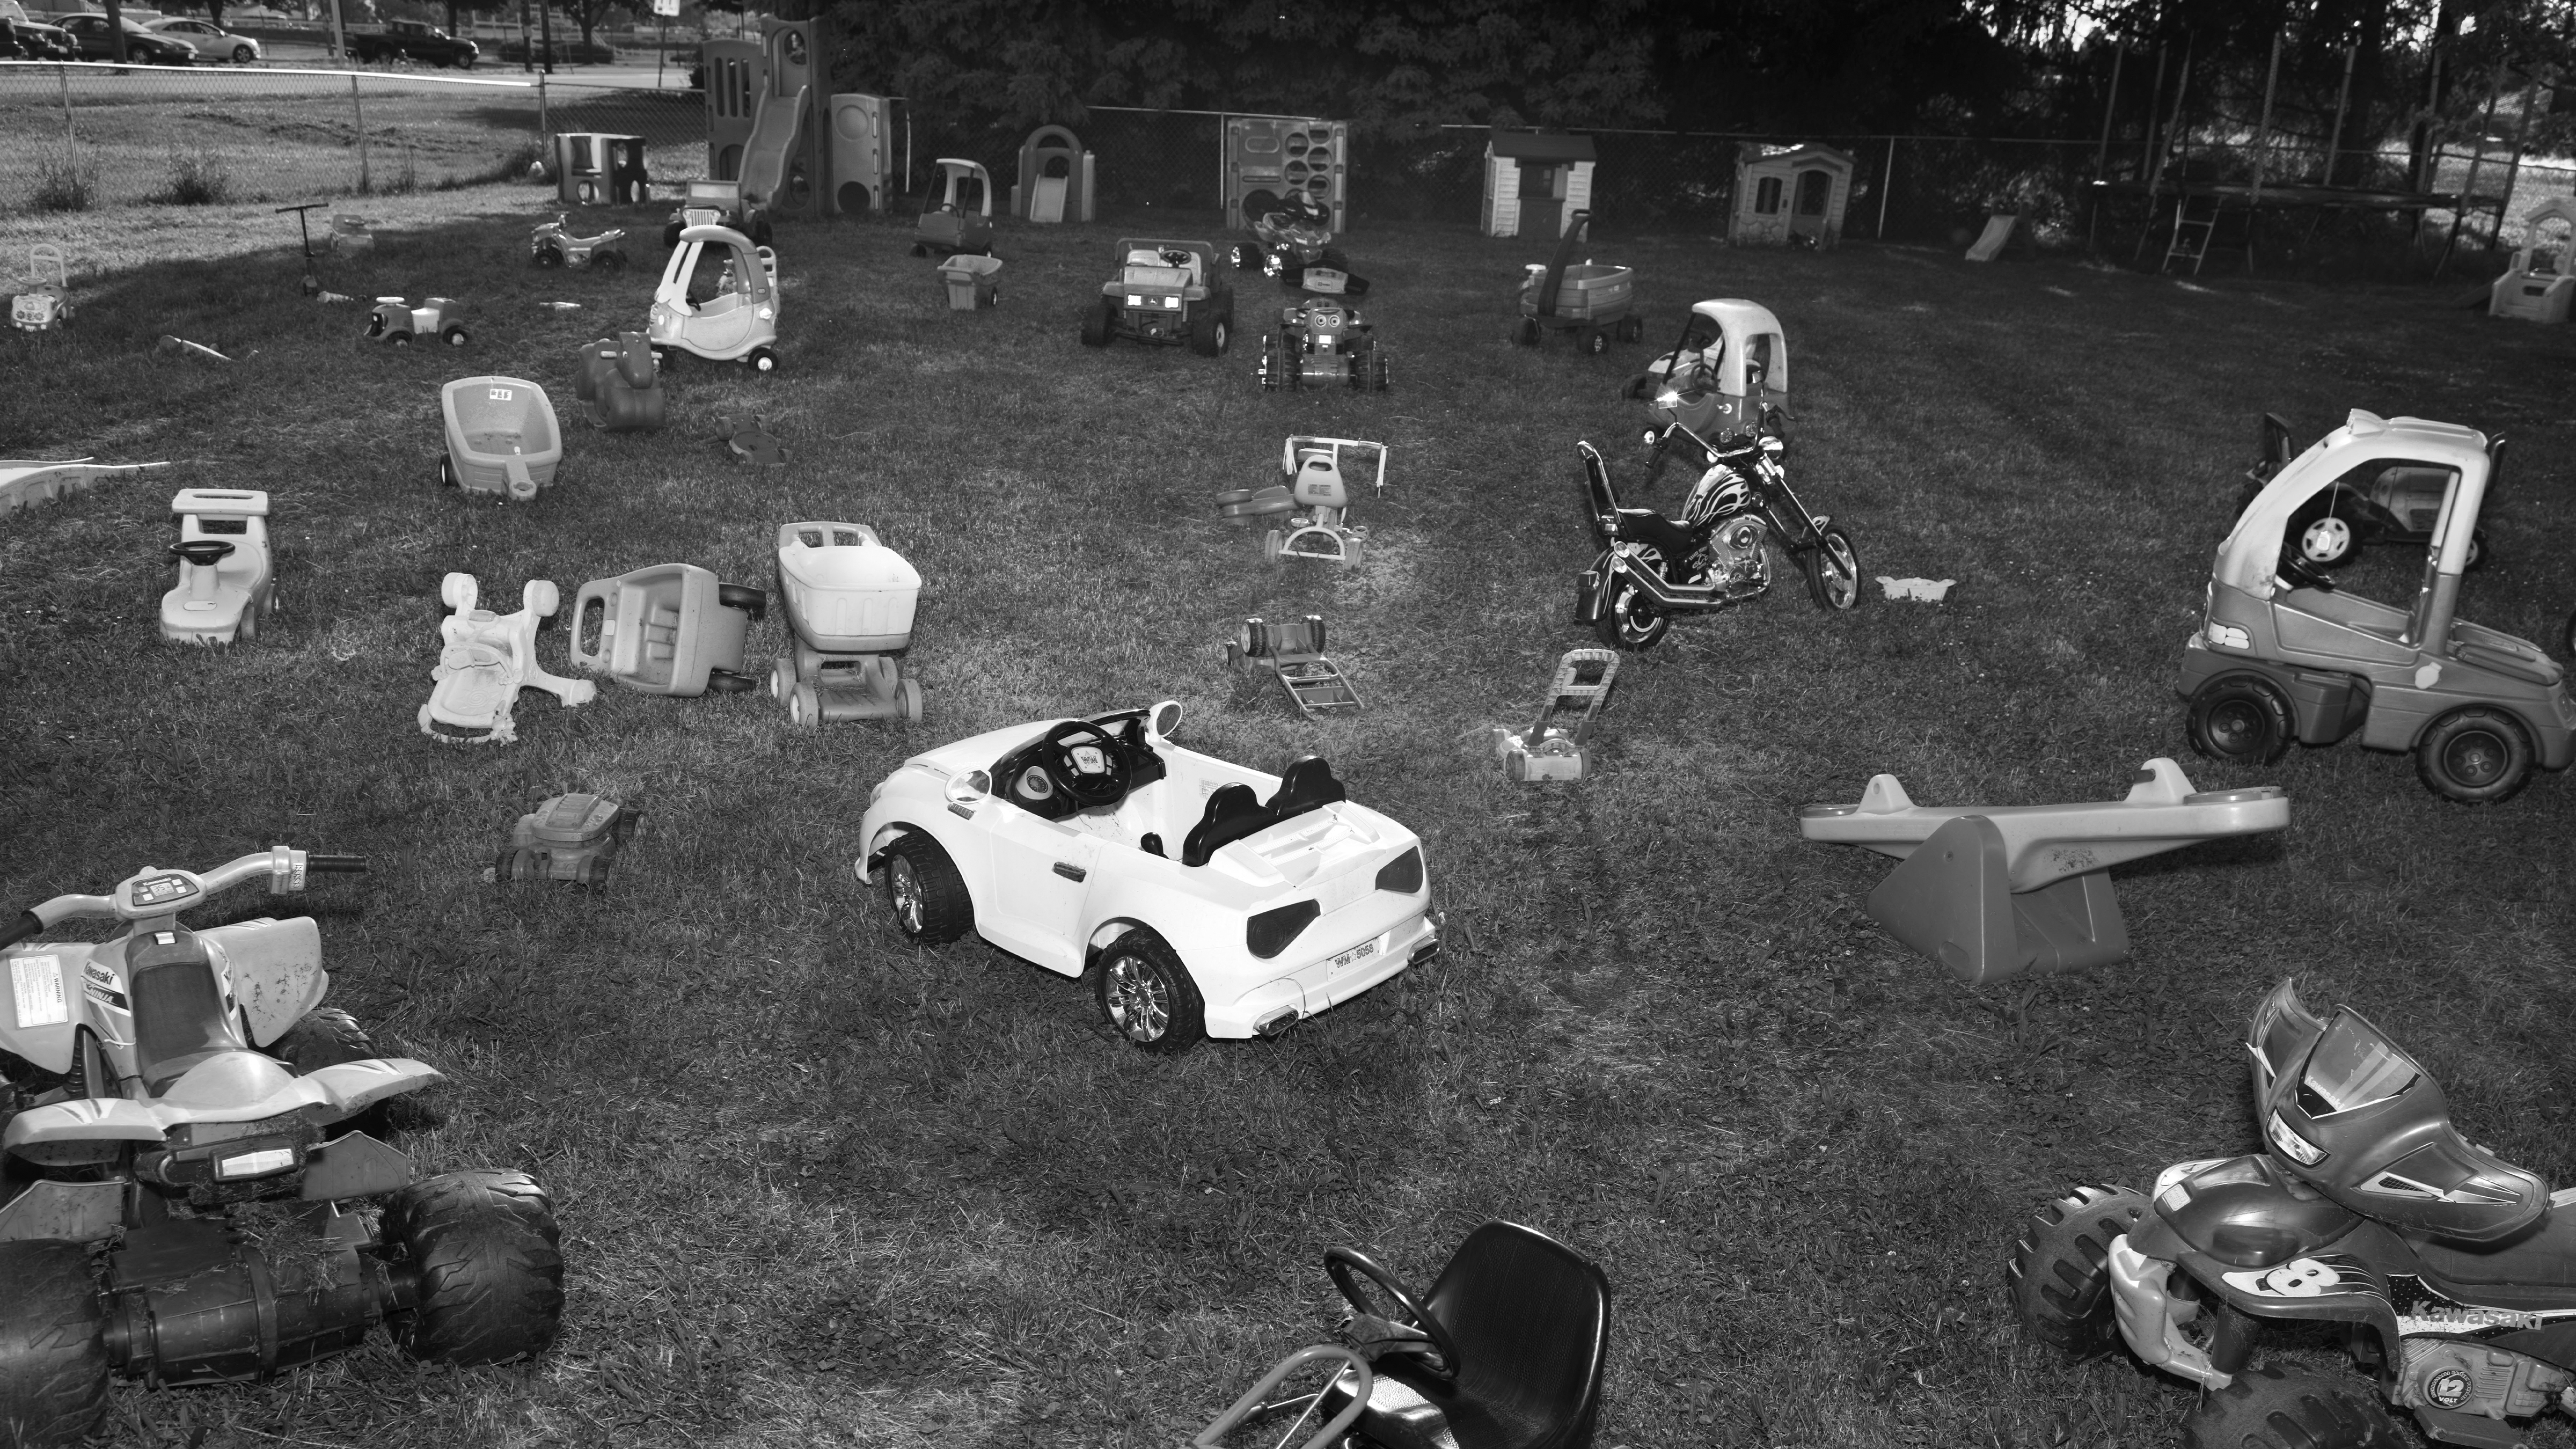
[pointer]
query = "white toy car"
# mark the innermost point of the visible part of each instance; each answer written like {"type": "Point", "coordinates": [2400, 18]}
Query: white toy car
{"type": "Point", "coordinates": [1217, 901]}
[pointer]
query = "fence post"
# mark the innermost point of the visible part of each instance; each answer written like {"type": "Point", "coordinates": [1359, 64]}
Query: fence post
{"type": "Point", "coordinates": [1886, 184]}
{"type": "Point", "coordinates": [71, 155]}
{"type": "Point", "coordinates": [358, 109]}
{"type": "Point", "coordinates": [545, 128]}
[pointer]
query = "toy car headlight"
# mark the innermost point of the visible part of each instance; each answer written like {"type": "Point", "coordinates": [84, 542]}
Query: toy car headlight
{"type": "Point", "coordinates": [2286, 1139]}
{"type": "Point", "coordinates": [1268, 934]}
{"type": "Point", "coordinates": [1134, 300]}
{"type": "Point", "coordinates": [1668, 398]}
{"type": "Point", "coordinates": [1323, 339]}
{"type": "Point", "coordinates": [1172, 303]}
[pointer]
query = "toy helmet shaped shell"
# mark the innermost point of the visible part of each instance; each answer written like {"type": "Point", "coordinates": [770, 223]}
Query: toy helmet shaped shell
{"type": "Point", "coordinates": [2353, 1115]}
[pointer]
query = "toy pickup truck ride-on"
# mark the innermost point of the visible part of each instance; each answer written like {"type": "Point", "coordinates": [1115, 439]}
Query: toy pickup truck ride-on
{"type": "Point", "coordinates": [1166, 292]}
{"type": "Point", "coordinates": [1321, 342]}
{"type": "Point", "coordinates": [716, 203]}
{"type": "Point", "coordinates": [1214, 900]}
{"type": "Point", "coordinates": [2376, 502]}
{"type": "Point", "coordinates": [2283, 655]}
{"type": "Point", "coordinates": [401, 40]}
{"type": "Point", "coordinates": [184, 1101]}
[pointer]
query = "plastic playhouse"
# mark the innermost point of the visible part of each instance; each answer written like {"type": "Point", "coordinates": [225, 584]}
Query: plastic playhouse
{"type": "Point", "coordinates": [502, 437]}
{"type": "Point", "coordinates": [1548, 749]}
{"type": "Point", "coordinates": [959, 217]}
{"type": "Point", "coordinates": [973, 281]}
{"type": "Point", "coordinates": [622, 382]}
{"type": "Point", "coordinates": [1728, 373]}
{"type": "Point", "coordinates": [485, 659]}
{"type": "Point", "coordinates": [2542, 279]}
{"type": "Point", "coordinates": [736, 320]}
{"type": "Point", "coordinates": [226, 586]}
{"type": "Point", "coordinates": [1593, 301]}
{"type": "Point", "coordinates": [849, 602]}
{"type": "Point", "coordinates": [46, 302]}
{"type": "Point", "coordinates": [667, 629]}
{"type": "Point", "coordinates": [1169, 293]}
{"type": "Point", "coordinates": [1057, 178]}
{"type": "Point", "coordinates": [397, 322]}
{"type": "Point", "coordinates": [1293, 653]}
{"type": "Point", "coordinates": [572, 838]}
{"type": "Point", "coordinates": [25, 482]}
{"type": "Point", "coordinates": [1996, 891]}
{"type": "Point", "coordinates": [1309, 507]}
{"type": "Point", "coordinates": [552, 244]}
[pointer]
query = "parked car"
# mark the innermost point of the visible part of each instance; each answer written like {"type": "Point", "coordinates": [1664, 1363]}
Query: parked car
{"type": "Point", "coordinates": [212, 41]}
{"type": "Point", "coordinates": [562, 50]}
{"type": "Point", "coordinates": [29, 40]}
{"type": "Point", "coordinates": [142, 47]}
{"type": "Point", "coordinates": [397, 40]}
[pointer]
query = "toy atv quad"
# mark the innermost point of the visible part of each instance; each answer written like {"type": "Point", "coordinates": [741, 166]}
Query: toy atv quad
{"type": "Point", "coordinates": [1166, 292]}
{"type": "Point", "coordinates": [1294, 237]}
{"type": "Point", "coordinates": [2377, 502]}
{"type": "Point", "coordinates": [396, 322]}
{"type": "Point", "coordinates": [567, 837]}
{"type": "Point", "coordinates": [1321, 342]}
{"type": "Point", "coordinates": [2450, 1272]}
{"type": "Point", "coordinates": [551, 245]}
{"type": "Point", "coordinates": [717, 203]}
{"type": "Point", "coordinates": [186, 1102]}
{"type": "Point", "coordinates": [2283, 655]}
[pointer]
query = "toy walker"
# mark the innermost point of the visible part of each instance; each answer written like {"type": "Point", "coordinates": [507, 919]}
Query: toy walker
{"type": "Point", "coordinates": [225, 588]}
{"type": "Point", "coordinates": [738, 322]}
{"type": "Point", "coordinates": [622, 383]}
{"type": "Point", "coordinates": [667, 629]}
{"type": "Point", "coordinates": [45, 305]}
{"type": "Point", "coordinates": [1594, 302]}
{"type": "Point", "coordinates": [485, 660]}
{"type": "Point", "coordinates": [1311, 499]}
{"type": "Point", "coordinates": [1551, 751]}
{"type": "Point", "coordinates": [502, 437]}
{"type": "Point", "coordinates": [954, 221]}
{"type": "Point", "coordinates": [849, 602]}
{"type": "Point", "coordinates": [551, 244]}
{"type": "Point", "coordinates": [396, 322]}
{"type": "Point", "coordinates": [569, 838]}
{"type": "Point", "coordinates": [1294, 652]}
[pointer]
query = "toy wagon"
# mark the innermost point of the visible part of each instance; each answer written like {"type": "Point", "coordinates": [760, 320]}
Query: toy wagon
{"type": "Point", "coordinates": [1594, 301]}
{"type": "Point", "coordinates": [569, 837]}
{"type": "Point", "coordinates": [849, 602]}
{"type": "Point", "coordinates": [667, 629]}
{"type": "Point", "coordinates": [501, 436]}
{"type": "Point", "coordinates": [973, 281]}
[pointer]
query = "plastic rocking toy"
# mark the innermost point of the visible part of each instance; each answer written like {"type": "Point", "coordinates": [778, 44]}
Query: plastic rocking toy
{"type": "Point", "coordinates": [1550, 751]}
{"type": "Point", "coordinates": [486, 660]}
{"type": "Point", "coordinates": [621, 381]}
{"type": "Point", "coordinates": [849, 602]}
{"type": "Point", "coordinates": [1311, 499]}
{"type": "Point", "coordinates": [225, 588]}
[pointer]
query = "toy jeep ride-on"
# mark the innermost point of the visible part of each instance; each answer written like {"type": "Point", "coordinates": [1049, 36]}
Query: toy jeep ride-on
{"type": "Point", "coordinates": [1166, 292]}
{"type": "Point", "coordinates": [2282, 654]}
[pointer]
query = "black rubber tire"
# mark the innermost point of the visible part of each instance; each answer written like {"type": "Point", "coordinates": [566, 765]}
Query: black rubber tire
{"type": "Point", "coordinates": [761, 360]}
{"type": "Point", "coordinates": [2476, 756]}
{"type": "Point", "coordinates": [2567, 637]}
{"type": "Point", "coordinates": [53, 1346]}
{"type": "Point", "coordinates": [1641, 628]}
{"type": "Point", "coordinates": [2274, 1407]}
{"type": "Point", "coordinates": [549, 259]}
{"type": "Point", "coordinates": [727, 681]}
{"type": "Point", "coordinates": [1095, 323]}
{"type": "Point", "coordinates": [594, 873]}
{"type": "Point", "coordinates": [325, 1037]}
{"type": "Point", "coordinates": [2332, 550]}
{"type": "Point", "coordinates": [919, 250]}
{"type": "Point", "coordinates": [1525, 332]}
{"type": "Point", "coordinates": [759, 233]}
{"type": "Point", "coordinates": [2242, 718]}
{"type": "Point", "coordinates": [2061, 1291]}
{"type": "Point", "coordinates": [488, 1264]}
{"type": "Point", "coordinates": [752, 601]}
{"type": "Point", "coordinates": [1833, 572]}
{"type": "Point", "coordinates": [608, 262]}
{"type": "Point", "coordinates": [671, 237]}
{"type": "Point", "coordinates": [505, 867]}
{"type": "Point", "coordinates": [945, 910]}
{"type": "Point", "coordinates": [1207, 332]}
{"type": "Point", "coordinates": [2479, 554]}
{"type": "Point", "coordinates": [1591, 341]}
{"type": "Point", "coordinates": [1141, 956]}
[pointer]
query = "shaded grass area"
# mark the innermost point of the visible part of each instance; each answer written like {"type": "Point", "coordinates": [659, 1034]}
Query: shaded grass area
{"type": "Point", "coordinates": [820, 1187]}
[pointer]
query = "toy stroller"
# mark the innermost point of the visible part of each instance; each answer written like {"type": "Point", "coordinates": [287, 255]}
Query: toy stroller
{"type": "Point", "coordinates": [1295, 653]}
{"type": "Point", "coordinates": [44, 305]}
{"type": "Point", "coordinates": [1549, 751]}
{"type": "Point", "coordinates": [1311, 499]}
{"type": "Point", "coordinates": [849, 602]}
{"type": "Point", "coordinates": [483, 662]}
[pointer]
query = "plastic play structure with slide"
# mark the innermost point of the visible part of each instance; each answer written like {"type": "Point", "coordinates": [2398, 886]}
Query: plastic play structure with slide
{"type": "Point", "coordinates": [792, 149]}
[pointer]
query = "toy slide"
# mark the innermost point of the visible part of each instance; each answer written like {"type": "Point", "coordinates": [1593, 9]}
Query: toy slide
{"type": "Point", "coordinates": [764, 156]}
{"type": "Point", "coordinates": [28, 481]}
{"type": "Point", "coordinates": [1995, 891]}
{"type": "Point", "coordinates": [1999, 230]}
{"type": "Point", "coordinates": [1046, 203]}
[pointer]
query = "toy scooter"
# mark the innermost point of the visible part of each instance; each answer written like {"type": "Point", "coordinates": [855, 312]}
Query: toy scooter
{"type": "Point", "coordinates": [551, 244]}
{"type": "Point", "coordinates": [2451, 1271]}
{"type": "Point", "coordinates": [1551, 751]}
{"type": "Point", "coordinates": [849, 602]}
{"type": "Point", "coordinates": [485, 659]}
{"type": "Point", "coordinates": [160, 1080]}
{"type": "Point", "coordinates": [397, 322]}
{"type": "Point", "coordinates": [45, 304]}
{"type": "Point", "coordinates": [740, 321]}
{"type": "Point", "coordinates": [1713, 557]}
{"type": "Point", "coordinates": [1311, 498]}
{"type": "Point", "coordinates": [225, 588]}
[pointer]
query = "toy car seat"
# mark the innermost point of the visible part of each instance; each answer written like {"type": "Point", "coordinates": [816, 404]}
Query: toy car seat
{"type": "Point", "coordinates": [181, 1017]}
{"type": "Point", "coordinates": [1308, 785]}
{"type": "Point", "coordinates": [1147, 267]}
{"type": "Point", "coordinates": [1233, 812]}
{"type": "Point", "coordinates": [1675, 540]}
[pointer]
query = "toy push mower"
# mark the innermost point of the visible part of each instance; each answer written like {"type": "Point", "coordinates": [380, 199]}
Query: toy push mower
{"type": "Point", "coordinates": [1321, 342]}
{"type": "Point", "coordinates": [188, 1103]}
{"type": "Point", "coordinates": [225, 584]}
{"type": "Point", "coordinates": [849, 602]}
{"type": "Point", "coordinates": [1594, 302]}
{"type": "Point", "coordinates": [736, 320]}
{"type": "Point", "coordinates": [568, 838]}
{"type": "Point", "coordinates": [1167, 293]}
{"type": "Point", "coordinates": [668, 629]}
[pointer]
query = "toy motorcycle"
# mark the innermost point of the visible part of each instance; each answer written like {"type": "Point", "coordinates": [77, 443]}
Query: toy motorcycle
{"type": "Point", "coordinates": [2452, 1271]}
{"type": "Point", "coordinates": [551, 244]}
{"type": "Point", "coordinates": [163, 1079]}
{"type": "Point", "coordinates": [1713, 556]}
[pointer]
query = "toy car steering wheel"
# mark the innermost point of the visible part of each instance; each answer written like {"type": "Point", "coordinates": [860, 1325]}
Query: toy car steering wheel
{"type": "Point", "coordinates": [1174, 257]}
{"type": "Point", "coordinates": [202, 551]}
{"type": "Point", "coordinates": [1340, 1262]}
{"type": "Point", "coordinates": [1085, 763]}
{"type": "Point", "coordinates": [2295, 567]}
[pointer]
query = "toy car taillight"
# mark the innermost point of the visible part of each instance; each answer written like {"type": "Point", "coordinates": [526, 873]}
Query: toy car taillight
{"type": "Point", "coordinates": [1403, 875]}
{"type": "Point", "coordinates": [266, 1162]}
{"type": "Point", "coordinates": [1268, 934]}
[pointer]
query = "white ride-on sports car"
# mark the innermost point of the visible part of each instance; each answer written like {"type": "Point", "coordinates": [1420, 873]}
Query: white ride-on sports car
{"type": "Point", "coordinates": [1217, 901]}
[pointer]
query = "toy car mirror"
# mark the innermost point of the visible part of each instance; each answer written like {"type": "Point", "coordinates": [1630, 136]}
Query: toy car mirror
{"type": "Point", "coordinates": [1163, 721]}
{"type": "Point", "coordinates": [968, 788]}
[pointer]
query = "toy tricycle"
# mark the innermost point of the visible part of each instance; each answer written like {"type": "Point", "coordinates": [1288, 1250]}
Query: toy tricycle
{"type": "Point", "coordinates": [2283, 655]}
{"type": "Point", "coordinates": [183, 1098]}
{"type": "Point", "coordinates": [1551, 751]}
{"type": "Point", "coordinates": [502, 436]}
{"type": "Point", "coordinates": [1594, 302]}
{"type": "Point", "coordinates": [567, 837]}
{"type": "Point", "coordinates": [225, 588]}
{"type": "Point", "coordinates": [1166, 292]}
{"type": "Point", "coordinates": [1311, 498]}
{"type": "Point", "coordinates": [716, 203]}
{"type": "Point", "coordinates": [1728, 374]}
{"type": "Point", "coordinates": [667, 629]}
{"type": "Point", "coordinates": [1321, 342]}
{"type": "Point", "coordinates": [1294, 236]}
{"type": "Point", "coordinates": [45, 304]}
{"type": "Point", "coordinates": [739, 319]}
{"type": "Point", "coordinates": [849, 602]}
{"type": "Point", "coordinates": [397, 322]}
{"type": "Point", "coordinates": [485, 659]}
{"type": "Point", "coordinates": [551, 244]}
{"type": "Point", "coordinates": [2380, 502]}
{"type": "Point", "coordinates": [620, 380]}
{"type": "Point", "coordinates": [957, 219]}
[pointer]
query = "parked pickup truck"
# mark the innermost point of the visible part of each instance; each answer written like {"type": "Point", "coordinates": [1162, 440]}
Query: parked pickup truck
{"type": "Point", "coordinates": [411, 40]}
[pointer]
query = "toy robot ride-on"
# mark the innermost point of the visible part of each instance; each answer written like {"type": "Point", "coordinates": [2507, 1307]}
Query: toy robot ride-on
{"type": "Point", "coordinates": [737, 320]}
{"type": "Point", "coordinates": [1321, 342]}
{"type": "Point", "coordinates": [397, 322]}
{"type": "Point", "coordinates": [187, 1103]}
{"type": "Point", "coordinates": [1311, 498]}
{"type": "Point", "coordinates": [849, 601]}
{"type": "Point", "coordinates": [226, 587]}
{"type": "Point", "coordinates": [1166, 292]}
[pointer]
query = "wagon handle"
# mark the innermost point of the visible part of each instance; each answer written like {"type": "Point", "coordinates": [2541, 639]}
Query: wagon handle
{"type": "Point", "coordinates": [523, 484]}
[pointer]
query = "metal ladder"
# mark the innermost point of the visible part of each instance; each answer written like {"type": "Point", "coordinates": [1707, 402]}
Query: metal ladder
{"type": "Point", "coordinates": [2190, 222]}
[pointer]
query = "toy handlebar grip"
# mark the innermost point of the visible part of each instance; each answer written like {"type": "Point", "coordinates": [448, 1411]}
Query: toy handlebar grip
{"type": "Point", "coordinates": [336, 864]}
{"type": "Point", "coordinates": [27, 924]}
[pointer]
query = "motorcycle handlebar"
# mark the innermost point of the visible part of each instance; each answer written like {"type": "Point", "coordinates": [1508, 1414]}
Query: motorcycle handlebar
{"type": "Point", "coordinates": [336, 864]}
{"type": "Point", "coordinates": [284, 866]}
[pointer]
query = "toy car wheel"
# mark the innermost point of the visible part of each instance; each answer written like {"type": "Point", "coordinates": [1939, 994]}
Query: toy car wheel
{"type": "Point", "coordinates": [664, 358]}
{"type": "Point", "coordinates": [752, 601]}
{"type": "Point", "coordinates": [609, 261]}
{"type": "Point", "coordinates": [2271, 1406]}
{"type": "Point", "coordinates": [1526, 332]}
{"type": "Point", "coordinates": [2060, 1288]}
{"type": "Point", "coordinates": [549, 258]}
{"type": "Point", "coordinates": [1273, 364]}
{"type": "Point", "coordinates": [447, 473]}
{"type": "Point", "coordinates": [762, 360]}
{"type": "Point", "coordinates": [454, 336]}
{"type": "Point", "coordinates": [1377, 369]}
{"type": "Point", "coordinates": [1146, 995]}
{"type": "Point", "coordinates": [1632, 621]}
{"type": "Point", "coordinates": [924, 892]}
{"type": "Point", "coordinates": [2477, 756]}
{"type": "Point", "coordinates": [782, 678]}
{"type": "Point", "coordinates": [726, 681]}
{"type": "Point", "coordinates": [2243, 718]}
{"type": "Point", "coordinates": [1246, 257]}
{"type": "Point", "coordinates": [399, 339]}
{"type": "Point", "coordinates": [326, 1036]}
{"type": "Point", "coordinates": [505, 867]}
{"type": "Point", "coordinates": [53, 1346]}
{"type": "Point", "coordinates": [2327, 540]}
{"type": "Point", "coordinates": [1833, 571]}
{"type": "Point", "coordinates": [760, 233]}
{"type": "Point", "coordinates": [1632, 329]}
{"type": "Point", "coordinates": [1270, 546]}
{"type": "Point", "coordinates": [2567, 637]}
{"type": "Point", "coordinates": [671, 237]}
{"type": "Point", "coordinates": [805, 707]}
{"type": "Point", "coordinates": [1095, 324]}
{"type": "Point", "coordinates": [1591, 341]}
{"type": "Point", "coordinates": [594, 873]}
{"type": "Point", "coordinates": [485, 1253]}
{"type": "Point", "coordinates": [247, 631]}
{"type": "Point", "coordinates": [2478, 555]}
{"type": "Point", "coordinates": [910, 693]}
{"type": "Point", "coordinates": [919, 250]}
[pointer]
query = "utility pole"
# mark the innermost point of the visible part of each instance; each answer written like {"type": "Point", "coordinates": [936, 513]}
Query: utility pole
{"type": "Point", "coordinates": [527, 52]}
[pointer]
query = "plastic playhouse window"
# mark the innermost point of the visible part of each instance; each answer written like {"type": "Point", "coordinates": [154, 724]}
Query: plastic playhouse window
{"type": "Point", "coordinates": [2354, 1066]}
{"type": "Point", "coordinates": [1766, 196]}
{"type": "Point", "coordinates": [1814, 187]}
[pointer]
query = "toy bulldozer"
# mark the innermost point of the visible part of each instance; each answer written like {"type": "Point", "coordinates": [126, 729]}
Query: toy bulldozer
{"type": "Point", "coordinates": [1548, 750]}
{"type": "Point", "coordinates": [1294, 651]}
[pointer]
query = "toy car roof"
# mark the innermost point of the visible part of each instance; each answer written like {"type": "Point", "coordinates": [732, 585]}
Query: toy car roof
{"type": "Point", "coordinates": [1737, 315]}
{"type": "Point", "coordinates": [2249, 557]}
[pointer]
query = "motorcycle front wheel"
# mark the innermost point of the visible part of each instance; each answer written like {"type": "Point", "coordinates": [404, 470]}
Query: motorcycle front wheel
{"type": "Point", "coordinates": [1631, 621]}
{"type": "Point", "coordinates": [1833, 571]}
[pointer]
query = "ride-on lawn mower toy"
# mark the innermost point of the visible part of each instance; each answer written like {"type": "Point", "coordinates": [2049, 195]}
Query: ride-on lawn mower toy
{"type": "Point", "coordinates": [190, 1105]}
{"type": "Point", "coordinates": [1548, 750]}
{"type": "Point", "coordinates": [225, 584]}
{"type": "Point", "coordinates": [716, 203]}
{"type": "Point", "coordinates": [1167, 292]}
{"type": "Point", "coordinates": [1294, 653]}
{"type": "Point", "coordinates": [1214, 900]}
{"type": "Point", "coordinates": [667, 629]}
{"type": "Point", "coordinates": [398, 322]}
{"type": "Point", "coordinates": [1595, 303]}
{"type": "Point", "coordinates": [1321, 342]}
{"type": "Point", "coordinates": [501, 435]}
{"type": "Point", "coordinates": [45, 304]}
{"type": "Point", "coordinates": [2378, 501]}
{"type": "Point", "coordinates": [1716, 554]}
{"type": "Point", "coordinates": [736, 318]}
{"type": "Point", "coordinates": [485, 659]}
{"type": "Point", "coordinates": [959, 217]}
{"type": "Point", "coordinates": [1311, 499]}
{"type": "Point", "coordinates": [2448, 1272]}
{"type": "Point", "coordinates": [2283, 655]}
{"type": "Point", "coordinates": [1294, 243]}
{"type": "Point", "coordinates": [622, 382]}
{"type": "Point", "coordinates": [552, 245]}
{"type": "Point", "coordinates": [1507, 1351]}
{"type": "Point", "coordinates": [849, 602]}
{"type": "Point", "coordinates": [1728, 374]}
{"type": "Point", "coordinates": [567, 837]}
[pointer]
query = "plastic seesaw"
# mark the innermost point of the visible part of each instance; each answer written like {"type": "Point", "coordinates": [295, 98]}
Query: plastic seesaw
{"type": "Point", "coordinates": [1995, 891]}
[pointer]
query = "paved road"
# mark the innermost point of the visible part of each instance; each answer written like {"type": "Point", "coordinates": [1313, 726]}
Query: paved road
{"type": "Point", "coordinates": [277, 76]}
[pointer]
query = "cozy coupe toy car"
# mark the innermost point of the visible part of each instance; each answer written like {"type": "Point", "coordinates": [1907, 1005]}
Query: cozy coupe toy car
{"type": "Point", "coordinates": [1168, 292]}
{"type": "Point", "coordinates": [552, 244]}
{"type": "Point", "coordinates": [2378, 501]}
{"type": "Point", "coordinates": [1727, 374]}
{"type": "Point", "coordinates": [735, 318]}
{"type": "Point", "coordinates": [1215, 900]}
{"type": "Point", "coordinates": [1321, 342]}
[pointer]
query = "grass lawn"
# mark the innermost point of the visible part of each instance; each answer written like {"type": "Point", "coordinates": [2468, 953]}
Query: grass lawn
{"type": "Point", "coordinates": [820, 1187]}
